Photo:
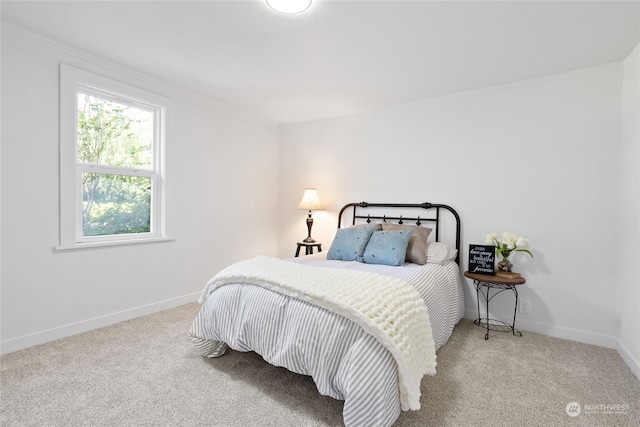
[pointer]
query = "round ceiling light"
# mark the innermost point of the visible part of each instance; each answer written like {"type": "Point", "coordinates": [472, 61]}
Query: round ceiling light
{"type": "Point", "coordinates": [289, 6]}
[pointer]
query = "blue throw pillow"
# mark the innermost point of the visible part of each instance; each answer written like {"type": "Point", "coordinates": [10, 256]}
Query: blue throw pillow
{"type": "Point", "coordinates": [387, 247]}
{"type": "Point", "coordinates": [349, 244]}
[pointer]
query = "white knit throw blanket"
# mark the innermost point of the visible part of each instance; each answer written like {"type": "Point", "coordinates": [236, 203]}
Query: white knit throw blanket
{"type": "Point", "coordinates": [387, 308]}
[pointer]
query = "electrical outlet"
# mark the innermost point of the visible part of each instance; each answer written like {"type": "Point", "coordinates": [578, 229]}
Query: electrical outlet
{"type": "Point", "coordinates": [525, 306]}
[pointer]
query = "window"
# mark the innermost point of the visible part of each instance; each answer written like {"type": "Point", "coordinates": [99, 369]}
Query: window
{"type": "Point", "coordinates": [112, 162]}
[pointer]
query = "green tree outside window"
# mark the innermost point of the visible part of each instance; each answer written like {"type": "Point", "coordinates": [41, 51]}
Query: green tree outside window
{"type": "Point", "coordinates": [118, 136]}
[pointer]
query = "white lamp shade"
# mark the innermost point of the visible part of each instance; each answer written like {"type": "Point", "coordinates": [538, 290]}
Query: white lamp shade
{"type": "Point", "coordinates": [289, 6]}
{"type": "Point", "coordinates": [310, 200]}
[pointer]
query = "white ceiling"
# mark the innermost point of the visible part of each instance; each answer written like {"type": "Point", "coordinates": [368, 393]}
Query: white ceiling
{"type": "Point", "coordinates": [338, 57]}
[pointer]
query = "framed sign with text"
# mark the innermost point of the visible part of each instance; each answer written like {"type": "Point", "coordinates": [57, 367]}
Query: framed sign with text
{"type": "Point", "coordinates": [482, 259]}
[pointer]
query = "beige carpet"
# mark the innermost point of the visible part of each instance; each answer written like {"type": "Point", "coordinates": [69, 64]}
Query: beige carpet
{"type": "Point", "coordinates": [144, 372]}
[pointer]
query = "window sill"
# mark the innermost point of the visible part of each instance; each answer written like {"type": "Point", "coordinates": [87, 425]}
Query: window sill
{"type": "Point", "coordinates": [95, 245]}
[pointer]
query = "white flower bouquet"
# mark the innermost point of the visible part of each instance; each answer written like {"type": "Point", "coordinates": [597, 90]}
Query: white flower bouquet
{"type": "Point", "coordinates": [510, 242]}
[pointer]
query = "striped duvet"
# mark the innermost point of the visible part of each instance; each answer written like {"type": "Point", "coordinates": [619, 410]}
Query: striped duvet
{"type": "Point", "coordinates": [344, 361]}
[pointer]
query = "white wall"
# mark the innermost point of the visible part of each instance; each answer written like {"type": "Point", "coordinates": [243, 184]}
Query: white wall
{"type": "Point", "coordinates": [628, 304]}
{"type": "Point", "coordinates": [224, 171]}
{"type": "Point", "coordinates": [538, 158]}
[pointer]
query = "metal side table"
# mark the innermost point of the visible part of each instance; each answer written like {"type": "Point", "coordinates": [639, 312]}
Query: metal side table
{"type": "Point", "coordinates": [484, 284]}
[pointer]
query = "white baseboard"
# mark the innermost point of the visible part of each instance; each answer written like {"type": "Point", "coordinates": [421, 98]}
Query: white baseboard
{"type": "Point", "coordinates": [26, 341]}
{"type": "Point", "coordinates": [629, 359]}
{"type": "Point", "coordinates": [553, 331]}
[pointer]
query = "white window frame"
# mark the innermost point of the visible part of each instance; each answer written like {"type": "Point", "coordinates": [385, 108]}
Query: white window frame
{"type": "Point", "coordinates": [72, 81]}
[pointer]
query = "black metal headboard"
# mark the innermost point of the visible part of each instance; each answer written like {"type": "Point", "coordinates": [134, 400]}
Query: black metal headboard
{"type": "Point", "coordinates": [434, 221]}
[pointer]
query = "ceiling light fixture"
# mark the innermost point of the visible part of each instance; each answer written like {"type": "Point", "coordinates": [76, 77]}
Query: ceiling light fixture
{"type": "Point", "coordinates": [289, 6]}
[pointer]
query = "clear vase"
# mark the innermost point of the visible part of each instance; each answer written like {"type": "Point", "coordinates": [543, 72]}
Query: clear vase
{"type": "Point", "coordinates": [505, 265]}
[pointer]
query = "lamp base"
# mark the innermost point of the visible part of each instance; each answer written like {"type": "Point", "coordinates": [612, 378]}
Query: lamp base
{"type": "Point", "coordinates": [309, 239]}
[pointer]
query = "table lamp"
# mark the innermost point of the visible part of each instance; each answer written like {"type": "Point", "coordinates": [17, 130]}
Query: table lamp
{"type": "Point", "coordinates": [310, 201]}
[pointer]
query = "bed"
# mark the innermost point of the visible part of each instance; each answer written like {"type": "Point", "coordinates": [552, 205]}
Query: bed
{"type": "Point", "coordinates": [363, 319]}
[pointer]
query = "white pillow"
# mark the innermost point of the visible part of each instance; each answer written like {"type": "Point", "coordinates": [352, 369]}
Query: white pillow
{"type": "Point", "coordinates": [438, 252]}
